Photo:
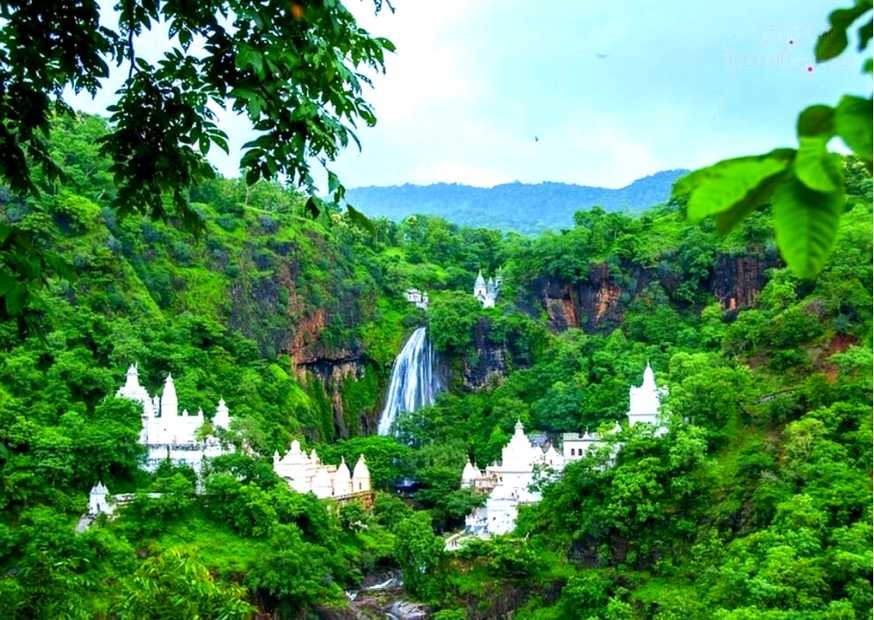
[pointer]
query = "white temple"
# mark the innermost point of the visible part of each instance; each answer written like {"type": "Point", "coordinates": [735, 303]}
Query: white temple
{"type": "Point", "coordinates": [168, 434]}
{"type": "Point", "coordinates": [417, 298]}
{"type": "Point", "coordinates": [98, 500]}
{"type": "Point", "coordinates": [509, 481]}
{"type": "Point", "coordinates": [306, 473]}
{"type": "Point", "coordinates": [644, 402]}
{"type": "Point", "coordinates": [487, 292]}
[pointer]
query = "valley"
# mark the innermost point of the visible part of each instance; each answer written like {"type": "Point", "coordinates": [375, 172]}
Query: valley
{"type": "Point", "coordinates": [752, 500]}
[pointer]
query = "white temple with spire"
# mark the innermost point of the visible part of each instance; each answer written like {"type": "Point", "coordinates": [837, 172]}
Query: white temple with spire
{"type": "Point", "coordinates": [508, 481]}
{"type": "Point", "coordinates": [305, 473]}
{"type": "Point", "coordinates": [168, 433]}
{"type": "Point", "coordinates": [644, 402]}
{"type": "Point", "coordinates": [487, 292]}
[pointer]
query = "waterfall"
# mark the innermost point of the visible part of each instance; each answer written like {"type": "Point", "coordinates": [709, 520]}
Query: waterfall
{"type": "Point", "coordinates": [415, 380]}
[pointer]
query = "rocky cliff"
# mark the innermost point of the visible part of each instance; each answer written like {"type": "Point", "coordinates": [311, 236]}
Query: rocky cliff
{"type": "Point", "coordinates": [270, 304]}
{"type": "Point", "coordinates": [489, 364]}
{"type": "Point", "coordinates": [598, 302]}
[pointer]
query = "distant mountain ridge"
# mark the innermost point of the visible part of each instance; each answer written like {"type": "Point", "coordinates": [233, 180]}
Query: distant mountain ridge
{"type": "Point", "coordinates": [523, 207]}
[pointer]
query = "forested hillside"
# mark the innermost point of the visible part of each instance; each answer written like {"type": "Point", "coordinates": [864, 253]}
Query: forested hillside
{"type": "Point", "coordinates": [519, 207]}
{"type": "Point", "coordinates": [755, 504]}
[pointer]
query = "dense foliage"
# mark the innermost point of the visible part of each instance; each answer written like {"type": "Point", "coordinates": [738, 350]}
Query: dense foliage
{"type": "Point", "coordinates": [755, 504]}
{"type": "Point", "coordinates": [296, 70]}
{"type": "Point", "coordinates": [805, 186]}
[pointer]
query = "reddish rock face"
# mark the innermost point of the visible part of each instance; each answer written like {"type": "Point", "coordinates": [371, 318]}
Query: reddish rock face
{"type": "Point", "coordinates": [598, 302]}
{"type": "Point", "coordinates": [737, 280]}
{"type": "Point", "coordinates": [592, 304]}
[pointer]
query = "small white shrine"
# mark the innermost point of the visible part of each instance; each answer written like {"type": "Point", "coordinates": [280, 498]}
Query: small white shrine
{"type": "Point", "coordinates": [644, 402]}
{"type": "Point", "coordinates": [487, 292]}
{"type": "Point", "coordinates": [305, 473]}
{"type": "Point", "coordinates": [98, 500]}
{"type": "Point", "coordinates": [417, 298]}
{"type": "Point", "coordinates": [169, 434]}
{"type": "Point", "coordinates": [509, 481]}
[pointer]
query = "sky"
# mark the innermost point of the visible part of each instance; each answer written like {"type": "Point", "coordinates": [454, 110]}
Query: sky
{"type": "Point", "coordinates": [485, 92]}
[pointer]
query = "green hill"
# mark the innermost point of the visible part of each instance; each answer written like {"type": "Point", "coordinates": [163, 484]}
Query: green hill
{"type": "Point", "coordinates": [755, 504]}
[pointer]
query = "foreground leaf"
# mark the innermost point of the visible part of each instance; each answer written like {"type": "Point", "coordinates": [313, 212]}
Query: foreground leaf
{"type": "Point", "coordinates": [357, 218]}
{"type": "Point", "coordinates": [806, 224]}
{"type": "Point", "coordinates": [853, 124]}
{"type": "Point", "coordinates": [730, 184]}
{"type": "Point", "coordinates": [815, 166]}
{"type": "Point", "coordinates": [816, 120]}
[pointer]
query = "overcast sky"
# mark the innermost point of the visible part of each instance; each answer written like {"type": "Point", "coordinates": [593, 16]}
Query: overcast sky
{"type": "Point", "coordinates": [597, 93]}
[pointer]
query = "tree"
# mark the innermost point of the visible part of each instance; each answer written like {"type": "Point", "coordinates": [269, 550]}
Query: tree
{"type": "Point", "coordinates": [452, 319]}
{"type": "Point", "coordinates": [294, 574]}
{"type": "Point", "coordinates": [293, 68]}
{"type": "Point", "coordinates": [806, 186]}
{"type": "Point", "coordinates": [174, 585]}
{"type": "Point", "coordinates": [419, 552]}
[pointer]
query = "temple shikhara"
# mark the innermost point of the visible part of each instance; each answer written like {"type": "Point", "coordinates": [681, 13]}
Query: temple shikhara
{"type": "Point", "coordinates": [487, 292]}
{"type": "Point", "coordinates": [512, 480]}
{"type": "Point", "coordinates": [170, 434]}
{"type": "Point", "coordinates": [180, 437]}
{"type": "Point", "coordinates": [305, 473]}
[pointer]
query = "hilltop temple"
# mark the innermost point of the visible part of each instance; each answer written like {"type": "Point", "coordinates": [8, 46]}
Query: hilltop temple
{"type": "Point", "coordinates": [487, 292]}
{"type": "Point", "coordinates": [509, 481]}
{"type": "Point", "coordinates": [306, 473]}
{"type": "Point", "coordinates": [169, 434]}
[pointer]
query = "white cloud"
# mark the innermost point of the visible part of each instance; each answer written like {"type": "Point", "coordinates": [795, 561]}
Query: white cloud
{"type": "Point", "coordinates": [457, 172]}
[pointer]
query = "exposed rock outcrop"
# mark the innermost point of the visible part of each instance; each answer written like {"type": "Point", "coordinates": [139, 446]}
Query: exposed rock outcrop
{"type": "Point", "coordinates": [271, 310]}
{"type": "Point", "coordinates": [599, 301]}
{"type": "Point", "coordinates": [737, 280]}
{"type": "Point", "coordinates": [489, 367]}
{"type": "Point", "coordinates": [593, 304]}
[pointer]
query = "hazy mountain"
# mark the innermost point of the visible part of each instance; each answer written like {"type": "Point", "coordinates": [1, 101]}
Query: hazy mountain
{"type": "Point", "coordinates": [512, 206]}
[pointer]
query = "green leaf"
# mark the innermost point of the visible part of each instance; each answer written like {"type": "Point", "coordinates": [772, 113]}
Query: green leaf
{"type": "Point", "coordinates": [726, 220]}
{"type": "Point", "coordinates": [357, 218]}
{"type": "Point", "coordinates": [816, 120]}
{"type": "Point", "coordinates": [7, 282]}
{"type": "Point", "coordinates": [865, 33]}
{"type": "Point", "coordinates": [333, 182]}
{"type": "Point", "coordinates": [313, 206]}
{"type": "Point", "coordinates": [729, 183]}
{"type": "Point", "coordinates": [816, 167]}
{"type": "Point", "coordinates": [853, 124]}
{"type": "Point", "coordinates": [806, 225]}
{"type": "Point", "coordinates": [15, 299]}
{"type": "Point", "coordinates": [830, 44]}
{"type": "Point", "coordinates": [834, 40]}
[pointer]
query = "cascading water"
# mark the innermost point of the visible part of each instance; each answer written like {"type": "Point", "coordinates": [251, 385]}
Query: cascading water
{"type": "Point", "coordinates": [415, 380]}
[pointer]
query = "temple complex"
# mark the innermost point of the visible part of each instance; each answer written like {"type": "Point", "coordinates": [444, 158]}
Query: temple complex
{"type": "Point", "coordinates": [305, 473]}
{"type": "Point", "coordinates": [169, 434]}
{"type": "Point", "coordinates": [511, 481]}
{"type": "Point", "coordinates": [417, 298]}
